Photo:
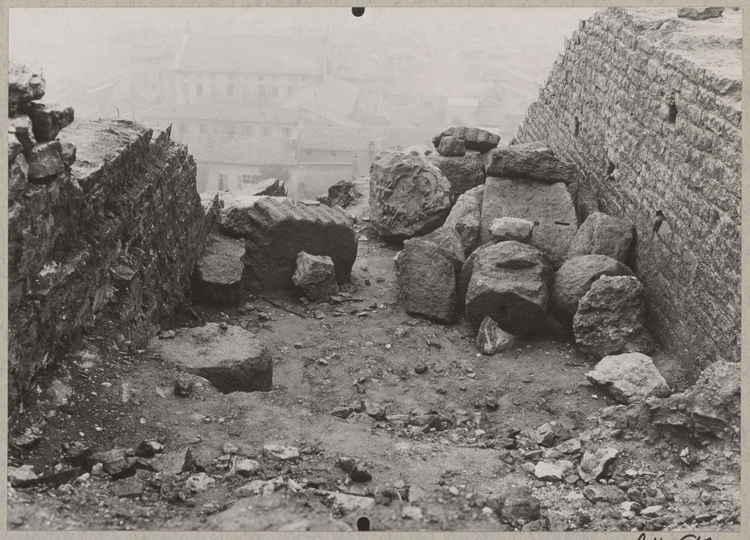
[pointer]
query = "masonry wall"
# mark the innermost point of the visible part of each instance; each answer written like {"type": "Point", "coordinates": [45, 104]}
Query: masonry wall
{"type": "Point", "coordinates": [657, 137]}
{"type": "Point", "coordinates": [109, 242]}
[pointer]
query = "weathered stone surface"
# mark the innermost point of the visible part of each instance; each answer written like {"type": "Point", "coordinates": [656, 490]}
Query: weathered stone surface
{"type": "Point", "coordinates": [25, 83]}
{"type": "Point", "coordinates": [492, 339]}
{"type": "Point", "coordinates": [509, 284]}
{"type": "Point", "coordinates": [277, 229]}
{"type": "Point", "coordinates": [629, 378]}
{"type": "Point", "coordinates": [611, 318]}
{"type": "Point", "coordinates": [20, 474]}
{"type": "Point", "coordinates": [603, 235]}
{"type": "Point", "coordinates": [14, 146]}
{"type": "Point", "coordinates": [421, 149]}
{"type": "Point", "coordinates": [217, 278]}
{"type": "Point", "coordinates": [465, 216]}
{"type": "Point", "coordinates": [474, 138]}
{"type": "Point", "coordinates": [604, 493]}
{"type": "Point", "coordinates": [574, 279]}
{"type": "Point", "coordinates": [128, 488]}
{"type": "Point", "coordinates": [710, 407]}
{"type": "Point", "coordinates": [549, 207]}
{"type": "Point", "coordinates": [593, 464]}
{"type": "Point", "coordinates": [246, 467]}
{"type": "Point", "coordinates": [345, 503]}
{"type": "Point", "coordinates": [532, 146]}
{"type": "Point", "coordinates": [509, 228]}
{"type": "Point", "coordinates": [451, 146]}
{"type": "Point", "coordinates": [464, 277]}
{"type": "Point", "coordinates": [552, 471]}
{"type": "Point", "coordinates": [586, 202]}
{"type": "Point", "coordinates": [68, 152]}
{"type": "Point", "coordinates": [426, 270]}
{"type": "Point", "coordinates": [18, 180]}
{"type": "Point", "coordinates": [519, 503]}
{"type": "Point", "coordinates": [270, 186]}
{"type": "Point", "coordinates": [316, 276]}
{"type": "Point", "coordinates": [531, 164]}
{"type": "Point", "coordinates": [343, 194]}
{"type": "Point", "coordinates": [409, 196]}
{"type": "Point", "coordinates": [174, 463]}
{"type": "Point", "coordinates": [700, 14]}
{"type": "Point", "coordinates": [281, 452]}
{"type": "Point", "coordinates": [463, 173]}
{"type": "Point", "coordinates": [24, 131]}
{"type": "Point", "coordinates": [45, 161]}
{"type": "Point", "coordinates": [48, 119]}
{"type": "Point", "coordinates": [232, 359]}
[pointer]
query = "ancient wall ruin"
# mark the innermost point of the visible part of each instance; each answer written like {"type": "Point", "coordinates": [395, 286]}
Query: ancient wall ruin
{"type": "Point", "coordinates": [109, 238]}
{"type": "Point", "coordinates": [648, 106]}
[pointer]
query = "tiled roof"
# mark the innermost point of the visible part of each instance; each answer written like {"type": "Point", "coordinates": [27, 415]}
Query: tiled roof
{"type": "Point", "coordinates": [338, 138]}
{"type": "Point", "coordinates": [232, 53]}
{"type": "Point", "coordinates": [239, 150]}
{"type": "Point", "coordinates": [331, 93]}
{"type": "Point", "coordinates": [223, 112]}
{"type": "Point", "coordinates": [336, 118]}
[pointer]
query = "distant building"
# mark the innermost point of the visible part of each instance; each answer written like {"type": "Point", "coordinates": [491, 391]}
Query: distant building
{"type": "Point", "coordinates": [226, 162]}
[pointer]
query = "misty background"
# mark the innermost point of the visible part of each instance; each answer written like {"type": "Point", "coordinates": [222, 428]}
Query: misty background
{"type": "Point", "coordinates": [308, 95]}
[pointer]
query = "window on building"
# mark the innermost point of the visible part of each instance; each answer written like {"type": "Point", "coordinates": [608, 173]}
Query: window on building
{"type": "Point", "coordinates": [213, 89]}
{"type": "Point", "coordinates": [287, 132]}
{"type": "Point", "coordinates": [248, 130]}
{"type": "Point", "coordinates": [246, 178]}
{"type": "Point", "coordinates": [223, 182]}
{"type": "Point", "coordinates": [334, 153]}
{"type": "Point", "coordinates": [230, 90]}
{"type": "Point", "coordinates": [275, 91]}
{"type": "Point", "coordinates": [308, 152]}
{"type": "Point", "coordinates": [199, 89]}
{"type": "Point", "coordinates": [202, 128]}
{"type": "Point", "coordinates": [262, 91]}
{"type": "Point", "coordinates": [265, 130]}
{"type": "Point", "coordinates": [185, 88]}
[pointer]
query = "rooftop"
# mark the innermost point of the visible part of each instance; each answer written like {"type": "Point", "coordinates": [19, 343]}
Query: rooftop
{"type": "Point", "coordinates": [338, 138]}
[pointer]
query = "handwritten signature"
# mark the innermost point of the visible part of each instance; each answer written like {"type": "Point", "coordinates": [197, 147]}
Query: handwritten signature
{"type": "Point", "coordinates": [686, 537]}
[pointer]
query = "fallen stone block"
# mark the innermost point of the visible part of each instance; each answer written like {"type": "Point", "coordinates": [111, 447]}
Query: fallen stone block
{"type": "Point", "coordinates": [25, 83]}
{"type": "Point", "coordinates": [451, 146]}
{"type": "Point", "coordinates": [549, 207]}
{"type": "Point", "coordinates": [509, 228]}
{"type": "Point", "coordinates": [280, 452]}
{"type": "Point", "coordinates": [231, 358]}
{"type": "Point", "coordinates": [519, 503]}
{"type": "Point", "coordinates": [409, 196]}
{"type": "Point", "coordinates": [603, 235]}
{"type": "Point", "coordinates": [315, 275]}
{"type": "Point", "coordinates": [492, 339]}
{"type": "Point", "coordinates": [530, 164]}
{"type": "Point", "coordinates": [345, 503]}
{"type": "Point", "coordinates": [426, 269]}
{"type": "Point", "coordinates": [270, 186]}
{"type": "Point", "coordinates": [217, 278]}
{"type": "Point", "coordinates": [593, 464]}
{"type": "Point", "coordinates": [574, 279]}
{"type": "Point", "coordinates": [611, 318]}
{"type": "Point", "coordinates": [23, 130]}
{"type": "Point", "coordinates": [45, 161]}
{"type": "Point", "coordinates": [48, 119]}
{"type": "Point", "coordinates": [597, 493]}
{"type": "Point", "coordinates": [343, 194]}
{"type": "Point", "coordinates": [474, 138]}
{"type": "Point", "coordinates": [629, 378]}
{"type": "Point", "coordinates": [700, 14]}
{"type": "Point", "coordinates": [465, 216]}
{"type": "Point", "coordinates": [68, 152]}
{"type": "Point", "coordinates": [509, 283]}
{"type": "Point", "coordinates": [173, 463]}
{"type": "Point", "coordinates": [463, 173]}
{"type": "Point", "coordinates": [552, 471]}
{"type": "Point", "coordinates": [710, 407]}
{"type": "Point", "coordinates": [277, 229]}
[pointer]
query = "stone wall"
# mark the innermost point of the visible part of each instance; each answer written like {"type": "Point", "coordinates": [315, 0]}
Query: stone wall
{"type": "Point", "coordinates": [110, 239]}
{"type": "Point", "coordinates": [648, 106]}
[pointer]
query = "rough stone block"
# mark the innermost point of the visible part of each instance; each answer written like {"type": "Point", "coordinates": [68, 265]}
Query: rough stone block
{"type": "Point", "coordinates": [409, 196]}
{"type": "Point", "coordinates": [574, 279]}
{"type": "Point", "coordinates": [700, 14]}
{"type": "Point", "coordinates": [611, 318]}
{"type": "Point", "coordinates": [451, 146]}
{"type": "Point", "coordinates": [315, 275]}
{"type": "Point", "coordinates": [277, 229]}
{"type": "Point", "coordinates": [48, 119]}
{"type": "Point", "coordinates": [492, 339]}
{"type": "Point", "coordinates": [549, 207]}
{"type": "Point", "coordinates": [508, 228]}
{"type": "Point", "coordinates": [629, 378]}
{"type": "Point", "coordinates": [343, 194]}
{"type": "Point", "coordinates": [530, 164]}
{"type": "Point", "coordinates": [474, 138]}
{"type": "Point", "coordinates": [231, 358]}
{"type": "Point", "coordinates": [217, 278]}
{"type": "Point", "coordinates": [463, 173]}
{"type": "Point", "coordinates": [509, 284]}
{"type": "Point", "coordinates": [24, 132]}
{"type": "Point", "coordinates": [45, 161]}
{"type": "Point", "coordinates": [25, 83]}
{"type": "Point", "coordinates": [465, 218]}
{"type": "Point", "coordinates": [17, 177]}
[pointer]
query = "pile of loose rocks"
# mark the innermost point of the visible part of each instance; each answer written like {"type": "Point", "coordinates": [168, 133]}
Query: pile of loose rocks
{"type": "Point", "coordinates": [35, 154]}
{"type": "Point", "coordinates": [492, 233]}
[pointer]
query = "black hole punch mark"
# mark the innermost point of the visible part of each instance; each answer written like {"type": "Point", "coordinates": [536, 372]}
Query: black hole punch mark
{"type": "Point", "coordinates": [358, 12]}
{"type": "Point", "coordinates": [363, 524]}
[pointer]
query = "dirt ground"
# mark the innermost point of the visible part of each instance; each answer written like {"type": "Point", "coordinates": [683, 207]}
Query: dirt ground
{"type": "Point", "coordinates": [329, 356]}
